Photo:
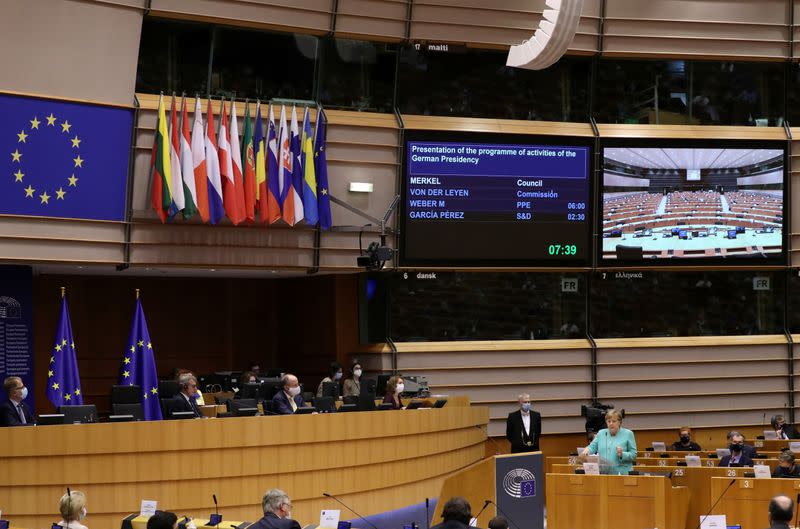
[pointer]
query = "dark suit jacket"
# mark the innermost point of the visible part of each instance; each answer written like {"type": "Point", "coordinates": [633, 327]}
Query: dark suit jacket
{"type": "Point", "coordinates": [790, 431]}
{"type": "Point", "coordinates": [10, 417]}
{"type": "Point", "coordinates": [781, 472]}
{"type": "Point", "coordinates": [281, 406]}
{"type": "Point", "coordinates": [779, 525]}
{"type": "Point", "coordinates": [677, 446]}
{"type": "Point", "coordinates": [389, 399]}
{"type": "Point", "coordinates": [271, 521]}
{"type": "Point", "coordinates": [451, 524]}
{"type": "Point", "coordinates": [744, 461]}
{"type": "Point", "coordinates": [179, 403]}
{"type": "Point", "coordinates": [749, 450]}
{"type": "Point", "coordinates": [514, 429]}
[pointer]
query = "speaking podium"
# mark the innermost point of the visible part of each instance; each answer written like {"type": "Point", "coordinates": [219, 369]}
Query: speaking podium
{"type": "Point", "coordinates": [513, 482]}
{"type": "Point", "coordinates": [577, 501]}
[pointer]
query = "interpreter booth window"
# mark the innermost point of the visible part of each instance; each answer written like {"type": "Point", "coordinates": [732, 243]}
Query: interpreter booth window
{"type": "Point", "coordinates": [173, 57]}
{"type": "Point", "coordinates": [793, 93]}
{"type": "Point", "coordinates": [451, 306]}
{"type": "Point", "coordinates": [452, 80]}
{"type": "Point", "coordinates": [358, 75]}
{"type": "Point", "coordinates": [737, 93]}
{"type": "Point", "coordinates": [793, 312]}
{"type": "Point", "coordinates": [263, 65]}
{"type": "Point", "coordinates": [646, 92]}
{"type": "Point", "coordinates": [720, 303]}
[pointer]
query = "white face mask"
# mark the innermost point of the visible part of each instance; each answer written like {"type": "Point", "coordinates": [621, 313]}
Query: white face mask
{"type": "Point", "coordinates": [357, 372]}
{"type": "Point", "coordinates": [24, 394]}
{"type": "Point", "coordinates": [526, 407]}
{"type": "Point", "coordinates": [401, 388]}
{"type": "Point", "coordinates": [84, 512]}
{"type": "Point", "coordinates": [337, 376]}
{"type": "Point", "coordinates": [295, 391]}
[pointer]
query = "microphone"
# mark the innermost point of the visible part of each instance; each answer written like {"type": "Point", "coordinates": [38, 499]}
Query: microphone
{"type": "Point", "coordinates": [349, 509]}
{"type": "Point", "coordinates": [510, 520]}
{"type": "Point", "coordinates": [428, 514]}
{"type": "Point", "coordinates": [216, 507]}
{"type": "Point", "coordinates": [703, 518]}
{"type": "Point", "coordinates": [496, 446]}
{"type": "Point", "coordinates": [485, 504]}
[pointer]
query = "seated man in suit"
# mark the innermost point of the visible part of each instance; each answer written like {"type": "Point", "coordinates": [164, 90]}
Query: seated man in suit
{"type": "Point", "coordinates": [738, 457]}
{"type": "Point", "coordinates": [15, 412]}
{"type": "Point", "coordinates": [748, 450]}
{"type": "Point", "coordinates": [783, 430]}
{"type": "Point", "coordinates": [781, 509]}
{"type": "Point", "coordinates": [287, 401]}
{"type": "Point", "coordinates": [456, 514]}
{"type": "Point", "coordinates": [184, 400]}
{"type": "Point", "coordinates": [523, 427]}
{"type": "Point", "coordinates": [277, 511]}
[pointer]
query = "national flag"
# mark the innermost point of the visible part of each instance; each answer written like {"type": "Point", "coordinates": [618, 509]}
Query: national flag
{"type": "Point", "coordinates": [236, 158]}
{"type": "Point", "coordinates": [273, 186]}
{"type": "Point", "coordinates": [297, 171]}
{"type": "Point", "coordinates": [248, 157]}
{"type": "Point", "coordinates": [226, 169]}
{"type": "Point", "coordinates": [285, 164]}
{"type": "Point", "coordinates": [321, 169]}
{"type": "Point", "coordinates": [216, 209]}
{"type": "Point", "coordinates": [187, 166]}
{"type": "Point", "coordinates": [309, 175]}
{"type": "Point", "coordinates": [259, 146]}
{"type": "Point", "coordinates": [199, 162]}
{"type": "Point", "coordinates": [160, 195]}
{"type": "Point", "coordinates": [176, 183]}
{"type": "Point", "coordinates": [63, 380]}
{"type": "Point", "coordinates": [139, 366]}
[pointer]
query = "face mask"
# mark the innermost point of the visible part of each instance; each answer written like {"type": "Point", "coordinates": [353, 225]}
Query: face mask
{"type": "Point", "coordinates": [735, 447]}
{"type": "Point", "coordinates": [526, 407]}
{"type": "Point", "coordinates": [295, 391]}
{"type": "Point", "coordinates": [357, 372]}
{"type": "Point", "coordinates": [684, 438]}
{"type": "Point", "coordinates": [84, 512]}
{"type": "Point", "coordinates": [337, 376]}
{"type": "Point", "coordinates": [24, 394]}
{"type": "Point", "coordinates": [400, 388]}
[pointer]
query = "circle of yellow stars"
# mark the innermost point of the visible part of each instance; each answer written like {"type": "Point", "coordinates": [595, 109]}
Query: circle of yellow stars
{"type": "Point", "coordinates": [127, 360]}
{"type": "Point", "coordinates": [56, 385]}
{"type": "Point", "coordinates": [17, 158]}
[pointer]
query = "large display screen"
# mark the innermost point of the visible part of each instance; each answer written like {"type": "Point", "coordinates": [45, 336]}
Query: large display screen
{"type": "Point", "coordinates": [502, 200]}
{"type": "Point", "coordinates": [703, 202]}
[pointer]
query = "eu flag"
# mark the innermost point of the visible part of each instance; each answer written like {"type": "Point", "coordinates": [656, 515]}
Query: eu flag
{"type": "Point", "coordinates": [139, 366]}
{"type": "Point", "coordinates": [63, 381]}
{"type": "Point", "coordinates": [63, 159]}
{"type": "Point", "coordinates": [321, 169]}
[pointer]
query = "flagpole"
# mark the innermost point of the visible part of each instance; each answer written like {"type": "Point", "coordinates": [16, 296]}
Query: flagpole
{"type": "Point", "coordinates": [137, 293]}
{"type": "Point", "coordinates": [63, 292]}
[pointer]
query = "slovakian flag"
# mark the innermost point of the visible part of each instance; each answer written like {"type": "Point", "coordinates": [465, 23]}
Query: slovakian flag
{"type": "Point", "coordinates": [297, 172]}
{"type": "Point", "coordinates": [259, 146]}
{"type": "Point", "coordinates": [229, 197]}
{"type": "Point", "coordinates": [236, 158]}
{"type": "Point", "coordinates": [199, 162]}
{"type": "Point", "coordinates": [187, 166]}
{"type": "Point", "coordinates": [63, 380]}
{"type": "Point", "coordinates": [309, 175]}
{"type": "Point", "coordinates": [248, 159]}
{"type": "Point", "coordinates": [139, 365]}
{"type": "Point", "coordinates": [216, 209]}
{"type": "Point", "coordinates": [160, 195]}
{"type": "Point", "coordinates": [176, 182]}
{"type": "Point", "coordinates": [321, 169]}
{"type": "Point", "coordinates": [285, 161]}
{"type": "Point", "coordinates": [273, 170]}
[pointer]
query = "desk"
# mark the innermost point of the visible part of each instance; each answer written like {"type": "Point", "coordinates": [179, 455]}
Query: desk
{"type": "Point", "coordinates": [747, 500]}
{"type": "Point", "coordinates": [614, 502]}
{"type": "Point", "coordinates": [377, 461]}
{"type": "Point", "coordinates": [551, 461]}
{"type": "Point", "coordinates": [772, 444]}
{"type": "Point", "coordinates": [140, 522]}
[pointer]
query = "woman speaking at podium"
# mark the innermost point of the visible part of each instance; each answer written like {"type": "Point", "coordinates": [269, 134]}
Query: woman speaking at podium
{"type": "Point", "coordinates": [615, 446]}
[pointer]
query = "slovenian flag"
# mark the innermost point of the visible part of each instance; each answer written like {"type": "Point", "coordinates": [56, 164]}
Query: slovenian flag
{"type": "Point", "coordinates": [273, 188]}
{"type": "Point", "coordinates": [297, 172]}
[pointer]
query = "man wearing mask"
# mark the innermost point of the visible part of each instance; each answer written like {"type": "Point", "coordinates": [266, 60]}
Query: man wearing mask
{"type": "Point", "coordinates": [783, 430]}
{"type": "Point", "coordinates": [738, 457]}
{"type": "Point", "coordinates": [685, 444]}
{"type": "Point", "coordinates": [524, 427]}
{"type": "Point", "coordinates": [15, 412]}
{"type": "Point", "coordinates": [186, 399]}
{"type": "Point", "coordinates": [287, 401]}
{"type": "Point", "coordinates": [277, 509]}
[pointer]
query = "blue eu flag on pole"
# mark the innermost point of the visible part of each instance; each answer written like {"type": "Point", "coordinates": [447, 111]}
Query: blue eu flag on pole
{"type": "Point", "coordinates": [139, 366]}
{"type": "Point", "coordinates": [321, 169]}
{"type": "Point", "coordinates": [63, 159]}
{"type": "Point", "coordinates": [63, 380]}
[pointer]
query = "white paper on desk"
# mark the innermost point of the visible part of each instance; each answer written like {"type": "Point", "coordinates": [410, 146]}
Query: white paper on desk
{"type": "Point", "coordinates": [148, 508]}
{"type": "Point", "coordinates": [762, 471]}
{"type": "Point", "coordinates": [770, 435]}
{"type": "Point", "coordinates": [794, 447]}
{"type": "Point", "coordinates": [329, 518]}
{"type": "Point", "coordinates": [591, 469]}
{"type": "Point", "coordinates": [722, 452]}
{"type": "Point", "coordinates": [692, 461]}
{"type": "Point", "coordinates": [659, 446]}
{"type": "Point", "coordinates": [713, 521]}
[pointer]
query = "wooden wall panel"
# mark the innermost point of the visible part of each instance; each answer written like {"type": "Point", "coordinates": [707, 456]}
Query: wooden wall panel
{"type": "Point", "coordinates": [372, 19]}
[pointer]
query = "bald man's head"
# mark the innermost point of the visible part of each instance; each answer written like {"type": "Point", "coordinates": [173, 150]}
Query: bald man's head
{"type": "Point", "coordinates": [781, 509]}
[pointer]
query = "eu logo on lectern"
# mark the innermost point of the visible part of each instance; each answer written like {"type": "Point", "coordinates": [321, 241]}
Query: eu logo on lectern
{"type": "Point", "coordinates": [63, 159]}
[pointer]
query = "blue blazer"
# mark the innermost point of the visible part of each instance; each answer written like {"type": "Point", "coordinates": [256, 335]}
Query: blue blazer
{"type": "Point", "coordinates": [271, 521]}
{"type": "Point", "coordinates": [10, 417]}
{"type": "Point", "coordinates": [744, 460]}
{"type": "Point", "coordinates": [281, 406]}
